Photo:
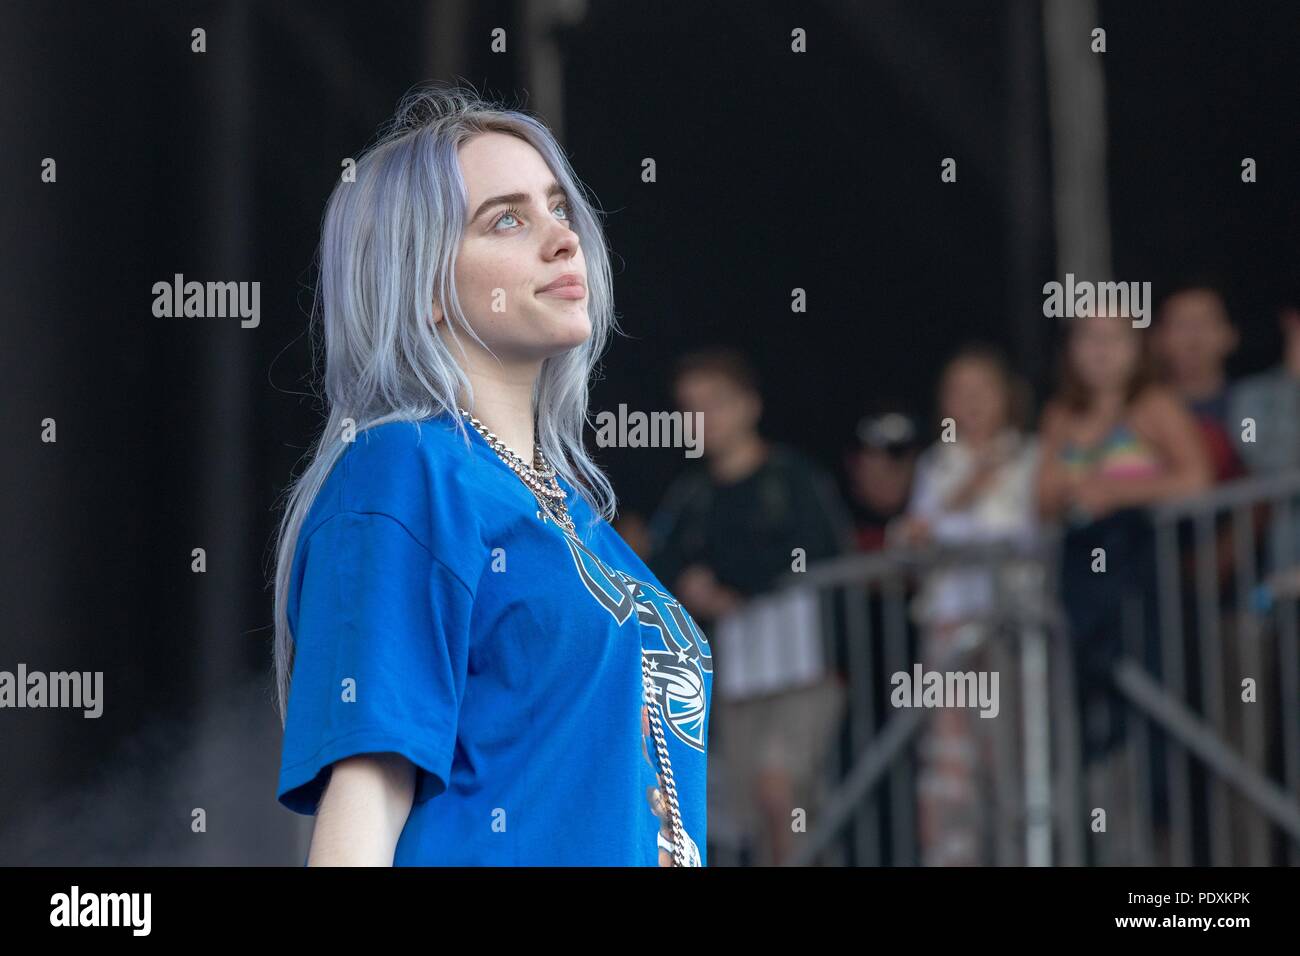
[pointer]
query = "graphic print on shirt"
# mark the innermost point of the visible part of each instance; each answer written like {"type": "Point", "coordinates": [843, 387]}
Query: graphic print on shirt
{"type": "Point", "coordinates": [679, 668]}
{"type": "Point", "coordinates": [677, 671]}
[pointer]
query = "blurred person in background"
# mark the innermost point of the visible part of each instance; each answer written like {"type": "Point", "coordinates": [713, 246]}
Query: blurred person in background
{"type": "Point", "coordinates": [879, 470]}
{"type": "Point", "coordinates": [1112, 441]}
{"type": "Point", "coordinates": [1194, 336]}
{"type": "Point", "coordinates": [1265, 418]}
{"type": "Point", "coordinates": [1268, 404]}
{"type": "Point", "coordinates": [725, 529]}
{"type": "Point", "coordinates": [724, 534]}
{"type": "Point", "coordinates": [1271, 401]}
{"type": "Point", "coordinates": [976, 487]}
{"type": "Point", "coordinates": [1266, 408]}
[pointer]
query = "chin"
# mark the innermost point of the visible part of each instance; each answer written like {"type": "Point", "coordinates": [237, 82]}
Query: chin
{"type": "Point", "coordinates": [572, 333]}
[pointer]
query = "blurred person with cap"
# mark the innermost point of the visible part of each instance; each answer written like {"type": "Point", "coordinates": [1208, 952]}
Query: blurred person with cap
{"type": "Point", "coordinates": [880, 469]}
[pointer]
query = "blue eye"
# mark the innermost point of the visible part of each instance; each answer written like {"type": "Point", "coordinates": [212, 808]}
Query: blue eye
{"type": "Point", "coordinates": [513, 213]}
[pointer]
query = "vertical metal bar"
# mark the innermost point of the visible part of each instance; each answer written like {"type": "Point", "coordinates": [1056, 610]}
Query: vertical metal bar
{"type": "Point", "coordinates": [837, 761]}
{"type": "Point", "coordinates": [827, 626]}
{"type": "Point", "coordinates": [866, 818]}
{"type": "Point", "coordinates": [1168, 571]}
{"type": "Point", "coordinates": [827, 769]}
{"type": "Point", "coordinates": [1246, 638]}
{"type": "Point", "coordinates": [1284, 541]}
{"type": "Point", "coordinates": [1036, 723]}
{"type": "Point", "coordinates": [1139, 750]}
{"type": "Point", "coordinates": [1004, 815]}
{"type": "Point", "coordinates": [1068, 781]}
{"type": "Point", "coordinates": [1211, 653]}
{"type": "Point", "coordinates": [1077, 115]}
{"type": "Point", "coordinates": [1062, 711]}
{"type": "Point", "coordinates": [902, 783]}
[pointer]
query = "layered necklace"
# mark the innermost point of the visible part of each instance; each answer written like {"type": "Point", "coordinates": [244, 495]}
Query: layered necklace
{"type": "Point", "coordinates": [539, 477]}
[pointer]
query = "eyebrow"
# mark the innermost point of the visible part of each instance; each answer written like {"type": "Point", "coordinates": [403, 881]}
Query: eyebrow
{"type": "Point", "coordinates": [554, 189]}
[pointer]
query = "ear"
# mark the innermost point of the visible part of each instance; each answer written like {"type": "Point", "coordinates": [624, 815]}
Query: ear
{"type": "Point", "coordinates": [437, 314]}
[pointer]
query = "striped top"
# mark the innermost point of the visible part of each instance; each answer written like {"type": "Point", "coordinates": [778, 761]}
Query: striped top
{"type": "Point", "coordinates": [1120, 454]}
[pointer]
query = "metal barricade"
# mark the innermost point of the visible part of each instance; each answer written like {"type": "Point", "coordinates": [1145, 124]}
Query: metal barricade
{"type": "Point", "coordinates": [1207, 674]}
{"type": "Point", "coordinates": [1228, 616]}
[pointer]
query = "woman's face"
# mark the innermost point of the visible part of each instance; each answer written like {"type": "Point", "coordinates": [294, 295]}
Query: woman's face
{"type": "Point", "coordinates": [512, 248]}
{"type": "Point", "coordinates": [1104, 351]}
{"type": "Point", "coordinates": [973, 396]}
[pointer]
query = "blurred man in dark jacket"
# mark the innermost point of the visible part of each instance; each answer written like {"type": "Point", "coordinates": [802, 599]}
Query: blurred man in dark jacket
{"type": "Point", "coordinates": [726, 528]}
{"type": "Point", "coordinates": [726, 532]}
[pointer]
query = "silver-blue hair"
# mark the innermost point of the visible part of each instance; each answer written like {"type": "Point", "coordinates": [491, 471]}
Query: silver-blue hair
{"type": "Point", "coordinates": [388, 250]}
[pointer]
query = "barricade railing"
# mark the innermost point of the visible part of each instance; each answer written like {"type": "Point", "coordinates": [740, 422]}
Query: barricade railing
{"type": "Point", "coordinates": [1225, 621]}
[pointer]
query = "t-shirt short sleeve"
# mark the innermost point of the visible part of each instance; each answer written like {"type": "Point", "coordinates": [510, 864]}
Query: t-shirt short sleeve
{"type": "Point", "coordinates": [380, 656]}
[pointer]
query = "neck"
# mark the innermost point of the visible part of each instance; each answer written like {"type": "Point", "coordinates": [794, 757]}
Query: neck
{"type": "Point", "coordinates": [503, 402]}
{"type": "Point", "coordinates": [739, 461]}
{"type": "Point", "coordinates": [1108, 402]}
{"type": "Point", "coordinates": [1198, 385]}
{"type": "Point", "coordinates": [977, 441]}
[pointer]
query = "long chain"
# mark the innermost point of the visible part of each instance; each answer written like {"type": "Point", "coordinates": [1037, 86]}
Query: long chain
{"type": "Point", "coordinates": [661, 751]}
{"type": "Point", "coordinates": [540, 479]}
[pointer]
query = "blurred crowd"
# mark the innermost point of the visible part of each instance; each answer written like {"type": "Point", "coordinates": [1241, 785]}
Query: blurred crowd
{"type": "Point", "coordinates": [1139, 416]}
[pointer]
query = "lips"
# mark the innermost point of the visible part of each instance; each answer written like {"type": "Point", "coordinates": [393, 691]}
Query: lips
{"type": "Point", "coordinates": [567, 286]}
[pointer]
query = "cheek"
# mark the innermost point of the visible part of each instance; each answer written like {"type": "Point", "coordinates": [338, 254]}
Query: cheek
{"type": "Point", "coordinates": [483, 276]}
{"type": "Point", "coordinates": [1090, 357]}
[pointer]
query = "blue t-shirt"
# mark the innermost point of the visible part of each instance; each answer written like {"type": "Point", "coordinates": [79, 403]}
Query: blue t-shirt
{"type": "Point", "coordinates": [435, 616]}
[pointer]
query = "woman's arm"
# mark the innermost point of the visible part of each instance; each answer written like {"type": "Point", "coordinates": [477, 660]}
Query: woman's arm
{"type": "Point", "coordinates": [1053, 485]}
{"type": "Point", "coordinates": [912, 527]}
{"type": "Point", "coordinates": [1172, 431]}
{"type": "Point", "coordinates": [363, 810]}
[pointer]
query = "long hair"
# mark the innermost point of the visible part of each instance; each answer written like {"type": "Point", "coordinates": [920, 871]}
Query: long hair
{"type": "Point", "coordinates": [388, 250]}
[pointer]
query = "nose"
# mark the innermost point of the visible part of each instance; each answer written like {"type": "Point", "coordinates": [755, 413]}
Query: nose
{"type": "Point", "coordinates": [560, 241]}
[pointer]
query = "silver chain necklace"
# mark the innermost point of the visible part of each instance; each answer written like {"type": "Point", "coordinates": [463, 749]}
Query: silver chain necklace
{"type": "Point", "coordinates": [540, 478]}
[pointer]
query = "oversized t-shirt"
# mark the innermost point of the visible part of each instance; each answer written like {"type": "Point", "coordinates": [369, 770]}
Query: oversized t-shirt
{"type": "Point", "coordinates": [435, 616]}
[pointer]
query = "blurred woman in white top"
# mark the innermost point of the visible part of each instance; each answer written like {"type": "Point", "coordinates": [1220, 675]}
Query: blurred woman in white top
{"type": "Point", "coordinates": [975, 485]}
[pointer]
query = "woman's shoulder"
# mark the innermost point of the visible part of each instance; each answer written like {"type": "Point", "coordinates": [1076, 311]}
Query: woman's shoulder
{"type": "Point", "coordinates": [1156, 405]}
{"type": "Point", "coordinates": [1054, 417]}
{"type": "Point", "coordinates": [398, 452]}
{"type": "Point", "coordinates": [417, 472]}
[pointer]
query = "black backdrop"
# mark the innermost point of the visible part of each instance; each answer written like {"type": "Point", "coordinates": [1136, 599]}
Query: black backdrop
{"type": "Point", "coordinates": [774, 171]}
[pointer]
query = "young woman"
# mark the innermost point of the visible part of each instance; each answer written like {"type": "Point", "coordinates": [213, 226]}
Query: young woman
{"type": "Point", "coordinates": [1113, 441]}
{"type": "Point", "coordinates": [1112, 438]}
{"type": "Point", "coordinates": [483, 673]}
{"type": "Point", "coordinates": [976, 487]}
